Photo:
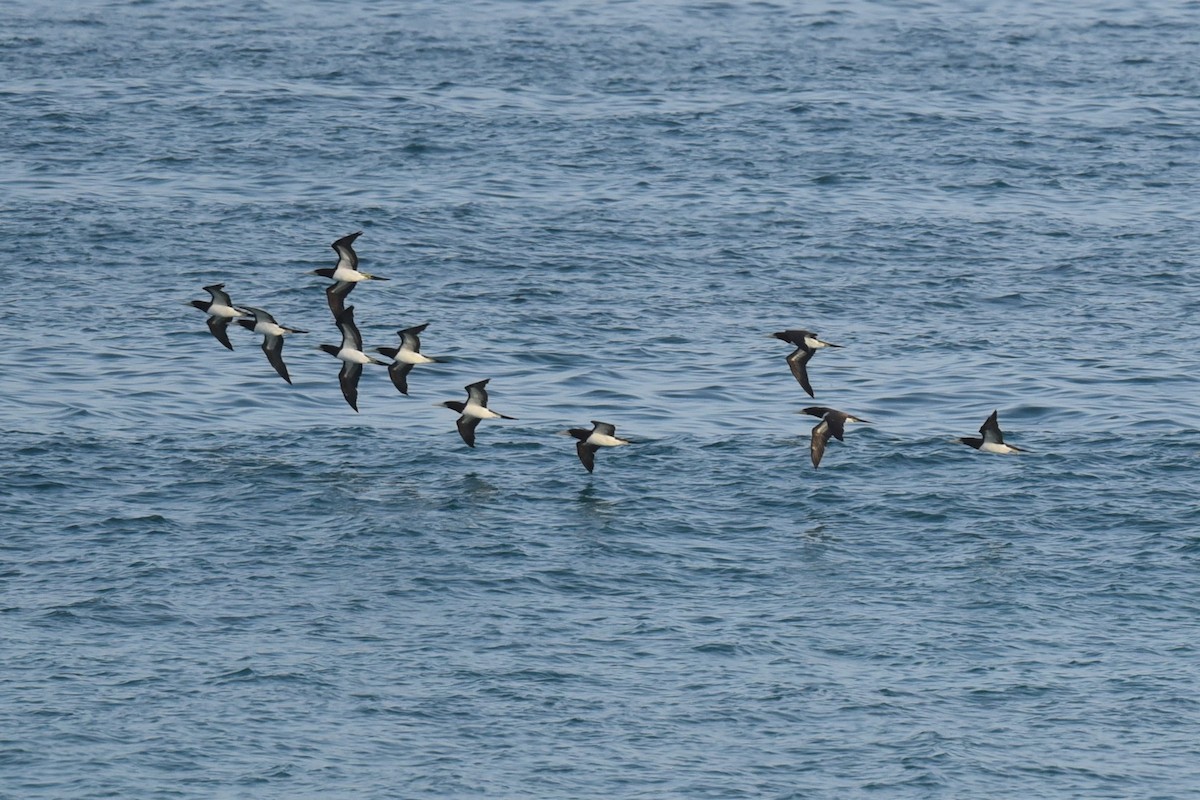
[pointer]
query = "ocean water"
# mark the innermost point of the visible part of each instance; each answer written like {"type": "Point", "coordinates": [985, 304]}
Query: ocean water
{"type": "Point", "coordinates": [214, 584]}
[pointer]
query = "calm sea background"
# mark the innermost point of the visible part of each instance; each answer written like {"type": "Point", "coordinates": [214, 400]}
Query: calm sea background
{"type": "Point", "coordinates": [214, 584]}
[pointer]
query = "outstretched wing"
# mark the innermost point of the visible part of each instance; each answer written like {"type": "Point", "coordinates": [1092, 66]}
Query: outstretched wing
{"type": "Point", "coordinates": [991, 429]}
{"type": "Point", "coordinates": [409, 339]}
{"type": "Point", "coordinates": [466, 429]}
{"type": "Point", "coordinates": [796, 361]}
{"type": "Point", "coordinates": [604, 428]}
{"type": "Point", "coordinates": [795, 337]}
{"type": "Point", "coordinates": [476, 393]}
{"type": "Point", "coordinates": [587, 454]}
{"type": "Point", "coordinates": [347, 258]}
{"type": "Point", "coordinates": [348, 378]}
{"type": "Point", "coordinates": [351, 338]}
{"type": "Point", "coordinates": [259, 315]}
{"type": "Point", "coordinates": [399, 374]}
{"type": "Point", "coordinates": [820, 438]}
{"type": "Point", "coordinates": [273, 347]}
{"type": "Point", "coordinates": [219, 296]}
{"type": "Point", "coordinates": [219, 327]}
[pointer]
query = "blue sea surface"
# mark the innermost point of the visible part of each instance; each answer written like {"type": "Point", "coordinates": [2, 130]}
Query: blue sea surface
{"type": "Point", "coordinates": [214, 584]}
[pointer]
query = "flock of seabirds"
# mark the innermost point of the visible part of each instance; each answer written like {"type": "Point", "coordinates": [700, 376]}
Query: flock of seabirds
{"type": "Point", "coordinates": [346, 275]}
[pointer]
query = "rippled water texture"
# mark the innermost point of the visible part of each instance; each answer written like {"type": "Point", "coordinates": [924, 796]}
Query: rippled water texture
{"type": "Point", "coordinates": [214, 584]}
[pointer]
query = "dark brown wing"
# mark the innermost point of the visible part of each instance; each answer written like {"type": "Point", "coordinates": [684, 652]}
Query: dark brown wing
{"type": "Point", "coordinates": [796, 361]}
{"type": "Point", "coordinates": [466, 429]}
{"type": "Point", "coordinates": [219, 295]}
{"type": "Point", "coordinates": [348, 377]}
{"type": "Point", "coordinates": [399, 374]}
{"type": "Point", "coordinates": [351, 338]}
{"type": "Point", "coordinates": [219, 327]}
{"type": "Point", "coordinates": [409, 337]}
{"type": "Point", "coordinates": [794, 336]}
{"type": "Point", "coordinates": [587, 454]}
{"type": "Point", "coordinates": [273, 347]}
{"type": "Point", "coordinates": [344, 247]}
{"type": "Point", "coordinates": [820, 437]}
{"type": "Point", "coordinates": [991, 429]}
{"type": "Point", "coordinates": [476, 393]}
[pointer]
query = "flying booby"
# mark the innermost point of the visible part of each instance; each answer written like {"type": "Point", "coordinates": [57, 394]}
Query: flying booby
{"type": "Point", "coordinates": [833, 423]}
{"type": "Point", "coordinates": [602, 434]}
{"type": "Point", "coordinates": [405, 356]}
{"type": "Point", "coordinates": [993, 438]}
{"type": "Point", "coordinates": [220, 311]}
{"type": "Point", "coordinates": [345, 273]}
{"type": "Point", "coordinates": [806, 343]}
{"type": "Point", "coordinates": [272, 333]}
{"type": "Point", "coordinates": [472, 411]}
{"type": "Point", "coordinates": [352, 356]}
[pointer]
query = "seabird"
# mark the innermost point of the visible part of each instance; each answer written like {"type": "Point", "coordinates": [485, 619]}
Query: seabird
{"type": "Point", "coordinates": [405, 356]}
{"type": "Point", "coordinates": [272, 333]}
{"type": "Point", "coordinates": [473, 410]}
{"type": "Point", "coordinates": [602, 434]}
{"type": "Point", "coordinates": [345, 273]}
{"type": "Point", "coordinates": [806, 343]}
{"type": "Point", "coordinates": [993, 439]}
{"type": "Point", "coordinates": [220, 311]}
{"type": "Point", "coordinates": [833, 423]}
{"type": "Point", "coordinates": [352, 356]}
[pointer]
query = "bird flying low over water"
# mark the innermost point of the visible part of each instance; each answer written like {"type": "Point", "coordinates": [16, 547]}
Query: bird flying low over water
{"type": "Point", "coordinates": [352, 356]}
{"type": "Point", "coordinates": [345, 273]}
{"type": "Point", "coordinates": [993, 438]}
{"type": "Point", "coordinates": [272, 333]}
{"type": "Point", "coordinates": [473, 410]}
{"type": "Point", "coordinates": [833, 423]}
{"type": "Point", "coordinates": [405, 356]}
{"type": "Point", "coordinates": [806, 343]}
{"type": "Point", "coordinates": [220, 311]}
{"type": "Point", "coordinates": [602, 434]}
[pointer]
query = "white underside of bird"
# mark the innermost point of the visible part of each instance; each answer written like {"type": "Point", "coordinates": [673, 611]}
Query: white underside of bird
{"type": "Point", "coordinates": [347, 275]}
{"type": "Point", "coordinates": [225, 312]}
{"type": "Point", "coordinates": [478, 411]}
{"type": "Point", "coordinates": [270, 328]}
{"type": "Point", "coordinates": [604, 440]}
{"type": "Point", "coordinates": [353, 356]}
{"type": "Point", "coordinates": [412, 357]}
